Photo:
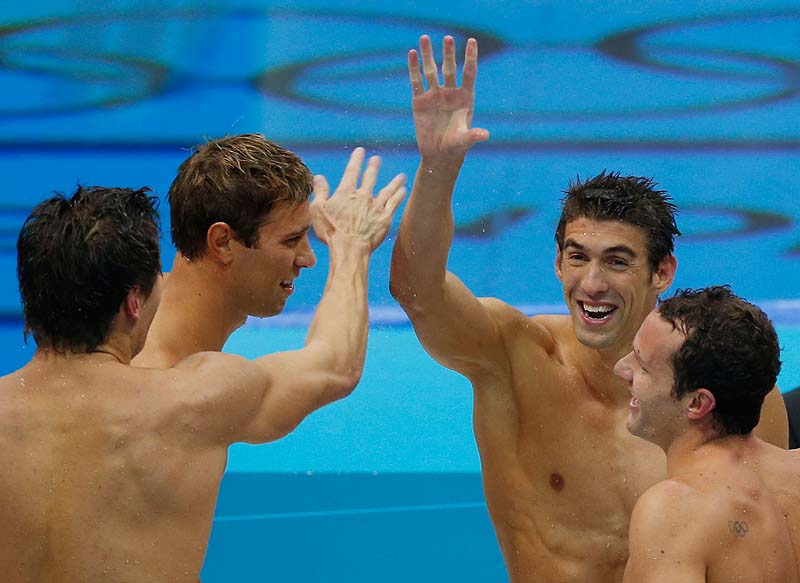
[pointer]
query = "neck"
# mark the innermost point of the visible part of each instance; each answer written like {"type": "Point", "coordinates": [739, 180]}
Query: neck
{"type": "Point", "coordinates": [597, 368]}
{"type": "Point", "coordinates": [698, 444]}
{"type": "Point", "coordinates": [104, 352]}
{"type": "Point", "coordinates": [196, 314]}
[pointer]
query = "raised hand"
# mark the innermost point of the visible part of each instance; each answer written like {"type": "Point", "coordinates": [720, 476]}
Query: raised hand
{"type": "Point", "coordinates": [352, 210]}
{"type": "Point", "coordinates": [443, 112]}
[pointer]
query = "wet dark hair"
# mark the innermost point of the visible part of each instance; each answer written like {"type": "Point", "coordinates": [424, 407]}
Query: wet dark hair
{"type": "Point", "coordinates": [629, 199]}
{"type": "Point", "coordinates": [730, 348]}
{"type": "Point", "coordinates": [237, 180]}
{"type": "Point", "coordinates": [77, 259]}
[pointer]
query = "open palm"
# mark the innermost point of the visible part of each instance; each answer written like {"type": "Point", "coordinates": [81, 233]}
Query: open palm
{"type": "Point", "coordinates": [443, 112]}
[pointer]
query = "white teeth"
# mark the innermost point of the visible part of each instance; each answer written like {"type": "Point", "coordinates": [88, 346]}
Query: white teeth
{"type": "Point", "coordinates": [597, 309]}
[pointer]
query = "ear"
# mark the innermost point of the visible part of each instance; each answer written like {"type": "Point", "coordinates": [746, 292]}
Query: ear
{"type": "Point", "coordinates": [218, 242]}
{"type": "Point", "coordinates": [559, 256]}
{"type": "Point", "coordinates": [701, 405]}
{"type": "Point", "coordinates": [663, 276]}
{"type": "Point", "coordinates": [133, 304]}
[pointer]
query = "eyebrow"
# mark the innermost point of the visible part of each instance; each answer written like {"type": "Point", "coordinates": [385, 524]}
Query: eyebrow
{"type": "Point", "coordinates": [616, 249]}
{"type": "Point", "coordinates": [297, 233]}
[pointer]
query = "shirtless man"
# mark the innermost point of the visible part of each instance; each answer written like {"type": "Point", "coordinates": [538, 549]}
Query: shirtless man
{"type": "Point", "coordinates": [111, 472]}
{"type": "Point", "coordinates": [241, 192]}
{"type": "Point", "coordinates": [729, 509]}
{"type": "Point", "coordinates": [560, 473]}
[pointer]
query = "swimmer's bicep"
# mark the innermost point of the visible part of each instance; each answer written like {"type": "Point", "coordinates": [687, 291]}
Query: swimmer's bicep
{"type": "Point", "coordinates": [665, 541]}
{"type": "Point", "coordinates": [463, 332]}
{"type": "Point", "coordinates": [296, 383]}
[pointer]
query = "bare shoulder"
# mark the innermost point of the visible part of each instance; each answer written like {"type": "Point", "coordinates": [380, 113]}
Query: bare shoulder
{"type": "Point", "coordinates": [669, 536]}
{"type": "Point", "coordinates": [219, 367]}
{"type": "Point", "coordinates": [665, 495]}
{"type": "Point", "coordinates": [513, 323]}
{"type": "Point", "coordinates": [671, 508]}
{"type": "Point", "coordinates": [675, 519]}
{"type": "Point", "coordinates": [779, 465]}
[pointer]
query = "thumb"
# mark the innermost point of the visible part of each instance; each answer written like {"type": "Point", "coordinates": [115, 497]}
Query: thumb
{"type": "Point", "coordinates": [478, 135]}
{"type": "Point", "coordinates": [321, 190]}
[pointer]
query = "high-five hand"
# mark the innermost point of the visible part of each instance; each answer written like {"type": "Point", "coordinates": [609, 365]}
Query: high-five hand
{"type": "Point", "coordinates": [352, 210]}
{"type": "Point", "coordinates": [443, 112]}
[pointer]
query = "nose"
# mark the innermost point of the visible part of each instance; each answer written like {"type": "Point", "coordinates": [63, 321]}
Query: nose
{"type": "Point", "coordinates": [622, 368]}
{"type": "Point", "coordinates": [305, 255]}
{"type": "Point", "coordinates": [594, 282]}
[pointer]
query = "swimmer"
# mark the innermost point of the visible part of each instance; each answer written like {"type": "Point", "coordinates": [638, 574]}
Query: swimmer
{"type": "Point", "coordinates": [729, 510]}
{"type": "Point", "coordinates": [112, 471]}
{"type": "Point", "coordinates": [560, 475]}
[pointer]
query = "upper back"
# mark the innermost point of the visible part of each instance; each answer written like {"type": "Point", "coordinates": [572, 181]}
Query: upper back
{"type": "Point", "coordinates": [96, 463]}
{"type": "Point", "coordinates": [751, 525]}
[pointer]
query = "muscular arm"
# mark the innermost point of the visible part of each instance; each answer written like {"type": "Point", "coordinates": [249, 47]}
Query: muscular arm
{"type": "Point", "coordinates": [454, 326]}
{"type": "Point", "coordinates": [666, 543]}
{"type": "Point", "coordinates": [264, 400]}
{"type": "Point", "coordinates": [773, 427]}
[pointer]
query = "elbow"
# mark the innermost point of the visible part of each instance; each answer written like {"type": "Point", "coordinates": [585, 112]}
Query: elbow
{"type": "Point", "coordinates": [344, 383]}
{"type": "Point", "coordinates": [398, 288]}
{"type": "Point", "coordinates": [403, 289]}
{"type": "Point", "coordinates": [401, 282]}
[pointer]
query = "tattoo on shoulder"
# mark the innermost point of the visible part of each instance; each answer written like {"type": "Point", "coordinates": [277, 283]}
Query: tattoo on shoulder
{"type": "Point", "coordinates": [738, 527]}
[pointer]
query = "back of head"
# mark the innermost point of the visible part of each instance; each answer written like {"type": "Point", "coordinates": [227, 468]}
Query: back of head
{"type": "Point", "coordinates": [237, 180]}
{"type": "Point", "coordinates": [629, 199]}
{"type": "Point", "coordinates": [730, 348]}
{"type": "Point", "coordinates": [77, 259]}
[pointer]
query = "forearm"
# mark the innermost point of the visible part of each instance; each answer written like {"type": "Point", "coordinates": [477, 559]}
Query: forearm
{"type": "Point", "coordinates": [419, 258]}
{"type": "Point", "coordinates": [337, 336]}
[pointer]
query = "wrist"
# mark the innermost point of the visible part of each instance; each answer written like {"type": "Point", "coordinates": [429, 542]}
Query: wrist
{"type": "Point", "coordinates": [440, 170]}
{"type": "Point", "coordinates": [442, 162]}
{"type": "Point", "coordinates": [349, 243]}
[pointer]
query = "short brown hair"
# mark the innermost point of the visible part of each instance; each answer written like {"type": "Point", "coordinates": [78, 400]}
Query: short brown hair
{"type": "Point", "coordinates": [237, 180]}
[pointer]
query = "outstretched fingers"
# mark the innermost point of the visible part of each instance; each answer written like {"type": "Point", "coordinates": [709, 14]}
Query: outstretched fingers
{"type": "Point", "coordinates": [449, 61]}
{"type": "Point", "coordinates": [470, 71]}
{"type": "Point", "coordinates": [429, 67]}
{"type": "Point", "coordinates": [390, 191]}
{"type": "Point", "coordinates": [321, 190]}
{"type": "Point", "coordinates": [352, 170]}
{"type": "Point", "coordinates": [370, 176]}
{"type": "Point", "coordinates": [414, 73]}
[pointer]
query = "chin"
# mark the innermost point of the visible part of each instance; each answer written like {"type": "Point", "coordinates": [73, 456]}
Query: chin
{"type": "Point", "coordinates": [597, 340]}
{"type": "Point", "coordinates": [266, 312]}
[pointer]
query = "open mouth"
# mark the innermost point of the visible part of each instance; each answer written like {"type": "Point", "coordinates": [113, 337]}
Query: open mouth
{"type": "Point", "coordinates": [288, 286]}
{"type": "Point", "coordinates": [597, 312]}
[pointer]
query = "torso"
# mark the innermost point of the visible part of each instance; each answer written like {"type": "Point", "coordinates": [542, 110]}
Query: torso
{"type": "Point", "coordinates": [561, 473]}
{"type": "Point", "coordinates": [102, 478]}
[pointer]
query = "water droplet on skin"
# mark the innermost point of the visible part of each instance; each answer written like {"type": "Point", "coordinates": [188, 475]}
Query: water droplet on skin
{"type": "Point", "coordinates": [22, 381]}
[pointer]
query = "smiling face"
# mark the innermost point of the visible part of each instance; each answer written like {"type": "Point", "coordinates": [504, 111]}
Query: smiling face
{"type": "Point", "coordinates": [655, 413]}
{"type": "Point", "coordinates": [607, 282]}
{"type": "Point", "coordinates": [266, 272]}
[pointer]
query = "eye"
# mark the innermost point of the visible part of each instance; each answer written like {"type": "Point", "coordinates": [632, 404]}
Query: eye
{"type": "Point", "coordinates": [618, 263]}
{"type": "Point", "coordinates": [576, 258]}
